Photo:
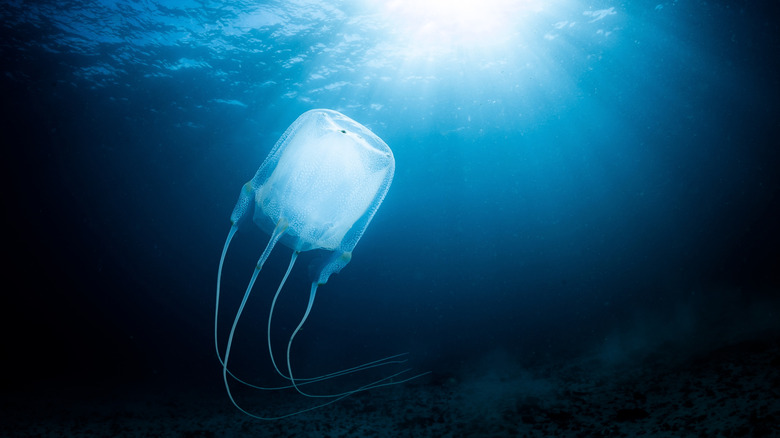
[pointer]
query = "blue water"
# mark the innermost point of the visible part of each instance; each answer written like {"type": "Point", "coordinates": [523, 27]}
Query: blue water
{"type": "Point", "coordinates": [573, 177]}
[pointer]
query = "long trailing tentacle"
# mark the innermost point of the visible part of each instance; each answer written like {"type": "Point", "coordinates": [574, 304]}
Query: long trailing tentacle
{"type": "Point", "coordinates": [294, 382]}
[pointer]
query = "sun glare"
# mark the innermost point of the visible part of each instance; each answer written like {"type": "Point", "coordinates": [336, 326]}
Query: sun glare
{"type": "Point", "coordinates": [455, 24]}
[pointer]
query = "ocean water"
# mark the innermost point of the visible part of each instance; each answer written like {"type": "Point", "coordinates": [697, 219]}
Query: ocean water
{"type": "Point", "coordinates": [573, 179]}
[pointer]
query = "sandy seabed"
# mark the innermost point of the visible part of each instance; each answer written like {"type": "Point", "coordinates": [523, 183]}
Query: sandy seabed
{"type": "Point", "coordinates": [729, 391]}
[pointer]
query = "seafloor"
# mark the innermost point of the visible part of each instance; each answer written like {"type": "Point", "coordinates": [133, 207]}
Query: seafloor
{"type": "Point", "coordinates": [729, 391]}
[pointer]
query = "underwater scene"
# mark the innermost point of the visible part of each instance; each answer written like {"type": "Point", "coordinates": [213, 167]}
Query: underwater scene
{"type": "Point", "coordinates": [391, 218]}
